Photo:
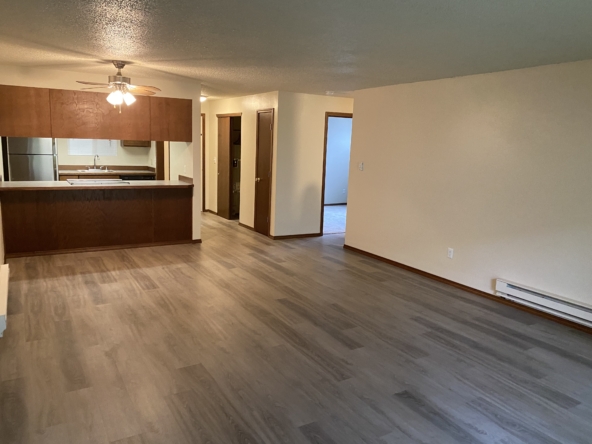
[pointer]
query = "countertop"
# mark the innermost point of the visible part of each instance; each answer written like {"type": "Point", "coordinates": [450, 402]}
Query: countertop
{"type": "Point", "coordinates": [107, 173]}
{"type": "Point", "coordinates": [65, 186]}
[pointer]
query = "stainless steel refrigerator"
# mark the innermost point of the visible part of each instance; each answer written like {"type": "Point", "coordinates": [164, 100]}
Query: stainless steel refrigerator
{"type": "Point", "coordinates": [29, 158]}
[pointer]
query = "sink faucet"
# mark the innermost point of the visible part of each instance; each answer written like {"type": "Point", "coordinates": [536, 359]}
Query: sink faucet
{"type": "Point", "coordinates": [95, 161]}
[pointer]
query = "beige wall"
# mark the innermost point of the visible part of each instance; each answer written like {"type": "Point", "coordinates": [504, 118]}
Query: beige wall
{"type": "Point", "coordinates": [183, 88]}
{"type": "Point", "coordinates": [248, 106]}
{"type": "Point", "coordinates": [496, 166]}
{"type": "Point", "coordinates": [299, 160]}
{"type": "Point", "coordinates": [130, 155]}
{"type": "Point", "coordinates": [181, 160]}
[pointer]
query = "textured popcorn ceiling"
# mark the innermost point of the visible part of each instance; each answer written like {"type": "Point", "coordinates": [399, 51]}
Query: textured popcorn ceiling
{"type": "Point", "coordinates": [250, 46]}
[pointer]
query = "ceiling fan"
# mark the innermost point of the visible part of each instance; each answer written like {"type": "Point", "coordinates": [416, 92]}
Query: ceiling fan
{"type": "Point", "coordinates": [123, 90]}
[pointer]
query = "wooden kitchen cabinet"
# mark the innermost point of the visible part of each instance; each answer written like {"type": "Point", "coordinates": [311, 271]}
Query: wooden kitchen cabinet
{"type": "Point", "coordinates": [170, 119]}
{"type": "Point", "coordinates": [24, 112]}
{"type": "Point", "coordinates": [63, 177]}
{"type": "Point", "coordinates": [88, 115]}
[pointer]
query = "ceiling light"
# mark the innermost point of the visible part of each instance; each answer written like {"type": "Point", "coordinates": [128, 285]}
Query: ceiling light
{"type": "Point", "coordinates": [115, 98]}
{"type": "Point", "coordinates": [128, 98]}
{"type": "Point", "coordinates": [203, 98]}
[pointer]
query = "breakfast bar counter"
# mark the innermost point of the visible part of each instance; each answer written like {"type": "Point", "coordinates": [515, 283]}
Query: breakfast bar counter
{"type": "Point", "coordinates": [59, 217]}
{"type": "Point", "coordinates": [90, 184]}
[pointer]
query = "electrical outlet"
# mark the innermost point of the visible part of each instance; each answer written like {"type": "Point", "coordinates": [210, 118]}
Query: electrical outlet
{"type": "Point", "coordinates": [184, 168]}
{"type": "Point", "coordinates": [361, 166]}
{"type": "Point", "coordinates": [450, 253]}
{"type": "Point", "coordinates": [343, 191]}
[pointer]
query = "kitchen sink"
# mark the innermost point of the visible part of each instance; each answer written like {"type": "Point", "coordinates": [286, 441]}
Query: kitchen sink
{"type": "Point", "coordinates": [95, 170]}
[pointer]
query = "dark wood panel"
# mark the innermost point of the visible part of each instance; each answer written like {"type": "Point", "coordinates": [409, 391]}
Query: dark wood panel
{"type": "Point", "coordinates": [159, 160]}
{"type": "Point", "coordinates": [54, 220]}
{"type": "Point", "coordinates": [224, 167]}
{"type": "Point", "coordinates": [171, 119]}
{"type": "Point", "coordinates": [24, 112]}
{"type": "Point", "coordinates": [88, 115]}
{"type": "Point", "coordinates": [173, 215]}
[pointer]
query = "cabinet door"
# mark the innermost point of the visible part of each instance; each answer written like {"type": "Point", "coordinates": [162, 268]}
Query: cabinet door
{"type": "Point", "coordinates": [88, 115]}
{"type": "Point", "coordinates": [65, 177]}
{"type": "Point", "coordinates": [24, 112]}
{"type": "Point", "coordinates": [170, 119]}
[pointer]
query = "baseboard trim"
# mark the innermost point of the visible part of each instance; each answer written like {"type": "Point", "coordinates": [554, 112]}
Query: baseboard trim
{"type": "Point", "coordinates": [295, 236]}
{"type": "Point", "coordinates": [196, 241]}
{"type": "Point", "coordinates": [331, 205]}
{"type": "Point", "coordinates": [246, 226]}
{"type": "Point", "coordinates": [210, 211]}
{"type": "Point", "coordinates": [472, 290]}
{"type": "Point", "coordinates": [91, 249]}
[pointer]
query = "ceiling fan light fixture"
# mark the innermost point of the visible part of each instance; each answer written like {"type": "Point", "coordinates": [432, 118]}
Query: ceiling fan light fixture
{"type": "Point", "coordinates": [129, 98]}
{"type": "Point", "coordinates": [116, 98]}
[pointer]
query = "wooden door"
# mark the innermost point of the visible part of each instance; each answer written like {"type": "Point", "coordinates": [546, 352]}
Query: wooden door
{"type": "Point", "coordinates": [224, 167]}
{"type": "Point", "coordinates": [263, 171]}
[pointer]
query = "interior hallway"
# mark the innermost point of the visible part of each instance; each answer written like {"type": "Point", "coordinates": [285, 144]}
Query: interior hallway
{"type": "Point", "coordinates": [245, 339]}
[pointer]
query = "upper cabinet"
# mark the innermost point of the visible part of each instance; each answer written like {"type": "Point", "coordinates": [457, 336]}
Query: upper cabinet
{"type": "Point", "coordinates": [88, 115]}
{"type": "Point", "coordinates": [170, 119]}
{"type": "Point", "coordinates": [24, 112]}
{"type": "Point", "coordinates": [42, 112]}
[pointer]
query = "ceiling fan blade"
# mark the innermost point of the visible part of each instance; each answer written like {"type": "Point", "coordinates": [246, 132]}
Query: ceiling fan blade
{"type": "Point", "coordinates": [141, 90]}
{"type": "Point", "coordinates": [149, 88]}
{"type": "Point", "coordinates": [93, 83]}
{"type": "Point", "coordinates": [97, 87]}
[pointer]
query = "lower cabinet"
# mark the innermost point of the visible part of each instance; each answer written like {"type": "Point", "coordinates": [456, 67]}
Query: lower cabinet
{"type": "Point", "coordinates": [64, 177]}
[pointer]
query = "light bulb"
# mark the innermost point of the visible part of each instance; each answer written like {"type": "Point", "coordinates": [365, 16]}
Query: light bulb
{"type": "Point", "coordinates": [129, 98]}
{"type": "Point", "coordinates": [203, 98]}
{"type": "Point", "coordinates": [115, 98]}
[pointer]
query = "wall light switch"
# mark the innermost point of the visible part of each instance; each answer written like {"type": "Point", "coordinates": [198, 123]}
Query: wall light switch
{"type": "Point", "coordinates": [450, 253]}
{"type": "Point", "coordinates": [361, 166]}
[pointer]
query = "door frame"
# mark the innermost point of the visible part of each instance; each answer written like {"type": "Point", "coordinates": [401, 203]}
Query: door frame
{"type": "Point", "coordinates": [327, 115]}
{"type": "Point", "coordinates": [203, 162]}
{"type": "Point", "coordinates": [260, 111]}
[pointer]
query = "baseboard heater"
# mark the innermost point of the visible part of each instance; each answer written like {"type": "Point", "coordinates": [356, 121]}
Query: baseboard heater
{"type": "Point", "coordinates": [546, 302]}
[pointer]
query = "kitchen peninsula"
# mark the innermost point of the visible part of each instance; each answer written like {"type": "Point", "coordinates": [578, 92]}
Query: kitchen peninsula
{"type": "Point", "coordinates": [57, 217]}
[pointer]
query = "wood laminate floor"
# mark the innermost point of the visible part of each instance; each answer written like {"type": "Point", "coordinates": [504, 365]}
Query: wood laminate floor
{"type": "Point", "coordinates": [247, 340]}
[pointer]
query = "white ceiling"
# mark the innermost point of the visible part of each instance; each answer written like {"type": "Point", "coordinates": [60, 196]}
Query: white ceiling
{"type": "Point", "coordinates": [250, 46]}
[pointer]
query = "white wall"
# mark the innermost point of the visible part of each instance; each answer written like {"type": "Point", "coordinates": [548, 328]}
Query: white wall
{"type": "Point", "coordinates": [248, 106]}
{"type": "Point", "coordinates": [182, 88]}
{"type": "Point", "coordinates": [496, 166]}
{"type": "Point", "coordinates": [133, 156]}
{"type": "Point", "coordinates": [298, 162]}
{"type": "Point", "coordinates": [181, 160]}
{"type": "Point", "coordinates": [337, 163]}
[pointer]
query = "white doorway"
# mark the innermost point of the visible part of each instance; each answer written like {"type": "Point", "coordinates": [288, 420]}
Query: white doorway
{"type": "Point", "coordinates": [338, 130]}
